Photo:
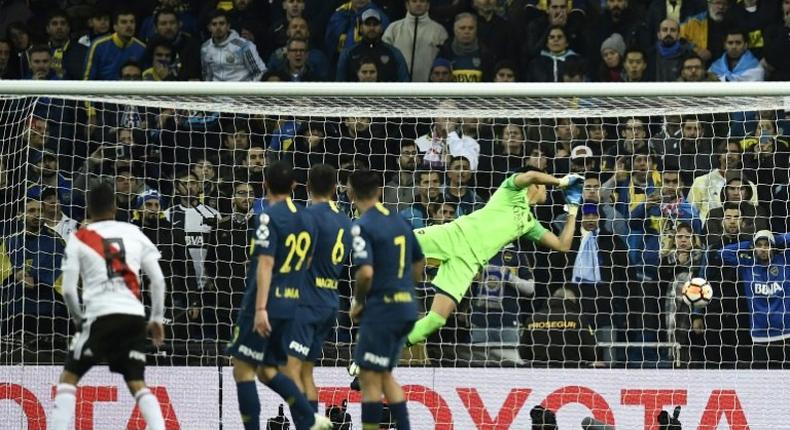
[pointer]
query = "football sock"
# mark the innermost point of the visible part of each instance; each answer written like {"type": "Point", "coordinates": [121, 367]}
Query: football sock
{"type": "Point", "coordinates": [426, 326]}
{"type": "Point", "coordinates": [149, 406]}
{"type": "Point", "coordinates": [301, 411]}
{"type": "Point", "coordinates": [249, 405]}
{"type": "Point", "coordinates": [401, 415]}
{"type": "Point", "coordinates": [371, 415]}
{"type": "Point", "coordinates": [314, 405]}
{"type": "Point", "coordinates": [65, 400]}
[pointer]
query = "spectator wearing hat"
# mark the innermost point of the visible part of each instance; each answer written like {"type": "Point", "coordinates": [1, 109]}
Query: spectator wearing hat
{"type": "Point", "coordinates": [471, 60]}
{"type": "Point", "coordinates": [596, 269]}
{"type": "Point", "coordinates": [344, 29]}
{"type": "Point", "coordinates": [764, 270]}
{"type": "Point", "coordinates": [392, 65]}
{"type": "Point", "coordinates": [183, 300]}
{"type": "Point", "coordinates": [669, 51]}
{"type": "Point", "coordinates": [612, 54]}
{"type": "Point", "coordinates": [418, 38]}
{"type": "Point", "coordinates": [584, 160]}
{"type": "Point", "coordinates": [441, 70]}
{"type": "Point", "coordinates": [737, 63]}
{"type": "Point", "coordinates": [619, 16]}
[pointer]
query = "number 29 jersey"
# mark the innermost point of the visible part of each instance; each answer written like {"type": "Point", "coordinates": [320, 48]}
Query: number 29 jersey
{"type": "Point", "coordinates": [287, 233]}
{"type": "Point", "coordinates": [108, 256]}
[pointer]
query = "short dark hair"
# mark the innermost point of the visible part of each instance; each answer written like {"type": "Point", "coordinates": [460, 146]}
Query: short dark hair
{"type": "Point", "coordinates": [48, 192]}
{"type": "Point", "coordinates": [122, 11]}
{"type": "Point", "coordinates": [506, 64]}
{"type": "Point", "coordinates": [422, 172]}
{"type": "Point", "coordinates": [365, 183]}
{"type": "Point", "coordinates": [164, 11]}
{"type": "Point", "coordinates": [737, 30]}
{"type": "Point", "coordinates": [574, 66]}
{"type": "Point", "coordinates": [731, 205]}
{"type": "Point", "coordinates": [321, 180]}
{"type": "Point", "coordinates": [58, 13]}
{"type": "Point", "coordinates": [297, 39]}
{"type": "Point", "coordinates": [39, 48]}
{"type": "Point", "coordinates": [683, 225]}
{"type": "Point", "coordinates": [101, 199]}
{"type": "Point", "coordinates": [692, 56]}
{"type": "Point", "coordinates": [279, 177]}
{"type": "Point", "coordinates": [216, 13]}
{"type": "Point", "coordinates": [367, 59]}
{"type": "Point", "coordinates": [132, 63]}
{"type": "Point", "coordinates": [636, 49]}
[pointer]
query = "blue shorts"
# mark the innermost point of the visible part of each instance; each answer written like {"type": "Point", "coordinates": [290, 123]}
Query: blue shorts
{"type": "Point", "coordinates": [309, 330]}
{"type": "Point", "coordinates": [247, 345]}
{"type": "Point", "coordinates": [379, 346]}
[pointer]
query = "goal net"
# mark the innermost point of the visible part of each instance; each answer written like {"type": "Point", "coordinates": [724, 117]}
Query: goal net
{"type": "Point", "coordinates": [677, 186]}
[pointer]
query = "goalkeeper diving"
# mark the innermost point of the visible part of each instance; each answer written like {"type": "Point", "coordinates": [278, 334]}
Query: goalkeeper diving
{"type": "Point", "coordinates": [463, 247]}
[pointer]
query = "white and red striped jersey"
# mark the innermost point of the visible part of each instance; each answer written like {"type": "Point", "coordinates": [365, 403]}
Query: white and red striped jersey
{"type": "Point", "coordinates": [108, 255]}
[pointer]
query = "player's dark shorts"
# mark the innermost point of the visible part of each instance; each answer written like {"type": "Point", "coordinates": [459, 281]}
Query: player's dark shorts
{"type": "Point", "coordinates": [311, 325]}
{"type": "Point", "coordinates": [117, 339]}
{"type": "Point", "coordinates": [247, 345]}
{"type": "Point", "coordinates": [379, 346]}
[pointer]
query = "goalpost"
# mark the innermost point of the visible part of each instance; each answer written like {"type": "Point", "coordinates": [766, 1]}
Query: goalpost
{"type": "Point", "coordinates": [187, 160]}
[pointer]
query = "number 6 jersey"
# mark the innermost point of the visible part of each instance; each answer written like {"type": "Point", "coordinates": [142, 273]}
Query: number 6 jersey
{"type": "Point", "coordinates": [109, 255]}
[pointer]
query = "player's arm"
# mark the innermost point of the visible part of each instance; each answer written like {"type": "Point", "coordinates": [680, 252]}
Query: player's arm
{"type": "Point", "coordinates": [70, 269]}
{"type": "Point", "coordinates": [150, 266]}
{"type": "Point", "coordinates": [561, 243]}
{"type": "Point", "coordinates": [264, 247]}
{"type": "Point", "coordinates": [263, 277]}
{"type": "Point", "coordinates": [363, 280]}
{"type": "Point", "coordinates": [532, 177]}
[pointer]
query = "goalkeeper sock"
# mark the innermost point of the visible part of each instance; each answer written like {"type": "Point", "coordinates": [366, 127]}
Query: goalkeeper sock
{"type": "Point", "coordinates": [371, 415]}
{"type": "Point", "coordinates": [426, 326]}
{"type": "Point", "coordinates": [65, 400]}
{"type": "Point", "coordinates": [313, 405]}
{"type": "Point", "coordinates": [301, 411]}
{"type": "Point", "coordinates": [149, 407]}
{"type": "Point", "coordinates": [249, 405]}
{"type": "Point", "coordinates": [401, 415]}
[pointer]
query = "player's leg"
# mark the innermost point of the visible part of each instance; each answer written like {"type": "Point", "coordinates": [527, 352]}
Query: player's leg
{"type": "Point", "coordinates": [397, 401]}
{"type": "Point", "coordinates": [247, 393]}
{"type": "Point", "coordinates": [371, 382]}
{"type": "Point", "coordinates": [293, 370]}
{"type": "Point", "coordinates": [247, 349]}
{"type": "Point", "coordinates": [310, 389]}
{"type": "Point", "coordinates": [148, 404]}
{"type": "Point", "coordinates": [65, 400]}
{"type": "Point", "coordinates": [451, 283]}
{"type": "Point", "coordinates": [277, 356]}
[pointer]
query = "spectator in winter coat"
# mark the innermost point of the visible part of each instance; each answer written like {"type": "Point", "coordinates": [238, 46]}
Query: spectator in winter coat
{"type": "Point", "coordinates": [754, 17]}
{"type": "Point", "coordinates": [186, 46]}
{"type": "Point", "coordinates": [679, 11]}
{"type": "Point", "coordinates": [418, 38]}
{"type": "Point", "coordinates": [344, 28]}
{"type": "Point", "coordinates": [693, 70]}
{"type": "Point", "coordinates": [317, 62]}
{"type": "Point", "coordinates": [669, 51]}
{"type": "Point", "coordinates": [620, 17]}
{"type": "Point", "coordinates": [612, 54]}
{"type": "Point", "coordinates": [776, 62]}
{"type": "Point", "coordinates": [705, 30]}
{"type": "Point", "coordinates": [471, 60]}
{"type": "Point", "coordinates": [548, 67]}
{"type": "Point", "coordinates": [110, 52]}
{"type": "Point", "coordinates": [227, 56]}
{"type": "Point", "coordinates": [493, 30]}
{"type": "Point", "coordinates": [441, 71]}
{"type": "Point", "coordinates": [392, 66]}
{"type": "Point", "coordinates": [737, 63]}
{"type": "Point", "coordinates": [765, 277]}
{"type": "Point", "coordinates": [297, 65]}
{"type": "Point", "coordinates": [635, 66]}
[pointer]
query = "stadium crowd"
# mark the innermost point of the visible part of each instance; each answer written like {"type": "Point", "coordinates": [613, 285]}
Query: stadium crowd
{"type": "Point", "coordinates": [666, 199]}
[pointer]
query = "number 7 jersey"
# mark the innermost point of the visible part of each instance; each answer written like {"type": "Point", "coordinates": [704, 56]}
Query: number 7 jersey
{"type": "Point", "coordinates": [286, 232]}
{"type": "Point", "coordinates": [108, 256]}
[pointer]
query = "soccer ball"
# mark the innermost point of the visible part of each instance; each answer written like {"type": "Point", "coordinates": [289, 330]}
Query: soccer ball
{"type": "Point", "coordinates": [697, 293]}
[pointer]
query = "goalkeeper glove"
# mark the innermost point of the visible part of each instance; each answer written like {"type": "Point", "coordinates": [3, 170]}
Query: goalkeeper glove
{"type": "Point", "coordinates": [571, 180]}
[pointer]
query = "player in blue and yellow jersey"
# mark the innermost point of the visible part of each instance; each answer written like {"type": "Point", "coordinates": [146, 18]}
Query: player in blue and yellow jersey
{"type": "Point", "coordinates": [279, 258]}
{"type": "Point", "coordinates": [390, 262]}
{"type": "Point", "coordinates": [318, 302]}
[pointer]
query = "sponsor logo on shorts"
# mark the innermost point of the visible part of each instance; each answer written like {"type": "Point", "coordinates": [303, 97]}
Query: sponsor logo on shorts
{"type": "Point", "coordinates": [298, 347]}
{"type": "Point", "coordinates": [245, 350]}
{"type": "Point", "coordinates": [137, 355]}
{"type": "Point", "coordinates": [376, 359]}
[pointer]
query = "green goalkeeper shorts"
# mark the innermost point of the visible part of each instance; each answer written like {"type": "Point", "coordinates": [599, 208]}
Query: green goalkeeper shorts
{"type": "Point", "coordinates": [458, 265]}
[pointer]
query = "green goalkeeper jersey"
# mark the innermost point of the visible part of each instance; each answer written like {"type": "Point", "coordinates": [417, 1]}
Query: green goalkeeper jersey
{"type": "Point", "coordinates": [506, 217]}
